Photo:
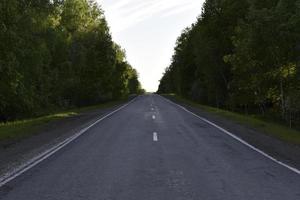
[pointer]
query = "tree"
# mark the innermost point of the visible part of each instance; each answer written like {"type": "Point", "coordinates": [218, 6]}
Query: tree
{"type": "Point", "coordinates": [242, 56]}
{"type": "Point", "coordinates": [57, 54]}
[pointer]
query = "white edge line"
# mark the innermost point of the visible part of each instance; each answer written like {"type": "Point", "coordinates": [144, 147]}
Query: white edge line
{"type": "Point", "coordinates": [297, 171]}
{"type": "Point", "coordinates": [46, 154]}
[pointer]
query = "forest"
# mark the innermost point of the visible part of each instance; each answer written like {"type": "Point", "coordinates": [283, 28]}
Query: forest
{"type": "Point", "coordinates": [57, 54]}
{"type": "Point", "coordinates": [243, 56]}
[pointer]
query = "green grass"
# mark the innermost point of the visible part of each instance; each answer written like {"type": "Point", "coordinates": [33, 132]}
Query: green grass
{"type": "Point", "coordinates": [24, 128]}
{"type": "Point", "coordinates": [271, 128]}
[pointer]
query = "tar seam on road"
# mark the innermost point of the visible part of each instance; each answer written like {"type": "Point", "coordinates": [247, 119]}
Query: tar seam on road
{"type": "Point", "coordinates": [297, 171]}
{"type": "Point", "coordinates": [46, 154]}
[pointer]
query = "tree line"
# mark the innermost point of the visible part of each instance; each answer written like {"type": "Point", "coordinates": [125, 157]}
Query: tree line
{"type": "Point", "coordinates": [241, 55]}
{"type": "Point", "coordinates": [58, 54]}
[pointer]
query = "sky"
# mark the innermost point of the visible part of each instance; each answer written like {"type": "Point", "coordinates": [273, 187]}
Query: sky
{"type": "Point", "coordinates": [147, 30]}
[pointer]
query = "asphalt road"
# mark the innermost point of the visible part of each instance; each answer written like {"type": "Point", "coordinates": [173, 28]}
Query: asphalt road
{"type": "Point", "coordinates": [153, 150]}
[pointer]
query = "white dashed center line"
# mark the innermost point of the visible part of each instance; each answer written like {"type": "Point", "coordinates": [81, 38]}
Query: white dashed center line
{"type": "Point", "coordinates": [155, 137]}
{"type": "Point", "coordinates": [153, 117]}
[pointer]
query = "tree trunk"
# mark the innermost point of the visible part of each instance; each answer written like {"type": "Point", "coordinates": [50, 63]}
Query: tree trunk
{"type": "Point", "coordinates": [246, 109]}
{"type": "Point", "coordinates": [262, 108]}
{"type": "Point", "coordinates": [291, 120]}
{"type": "Point", "coordinates": [282, 99]}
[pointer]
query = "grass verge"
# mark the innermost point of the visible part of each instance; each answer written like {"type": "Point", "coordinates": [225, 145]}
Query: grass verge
{"type": "Point", "coordinates": [20, 129]}
{"type": "Point", "coordinates": [273, 129]}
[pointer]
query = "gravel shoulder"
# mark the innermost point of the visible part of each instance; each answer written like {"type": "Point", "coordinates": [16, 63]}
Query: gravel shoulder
{"type": "Point", "coordinates": [281, 150]}
{"type": "Point", "coordinates": [15, 153]}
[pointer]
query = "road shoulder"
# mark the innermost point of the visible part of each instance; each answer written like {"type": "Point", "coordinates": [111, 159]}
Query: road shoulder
{"type": "Point", "coordinates": [281, 150]}
{"type": "Point", "coordinates": [14, 154]}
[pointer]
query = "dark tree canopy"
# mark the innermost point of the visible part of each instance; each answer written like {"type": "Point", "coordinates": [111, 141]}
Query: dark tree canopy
{"type": "Point", "coordinates": [58, 54]}
{"type": "Point", "coordinates": [241, 55]}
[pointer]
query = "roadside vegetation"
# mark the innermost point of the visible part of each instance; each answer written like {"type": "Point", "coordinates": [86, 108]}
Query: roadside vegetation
{"type": "Point", "coordinates": [256, 122]}
{"type": "Point", "coordinates": [56, 55]}
{"type": "Point", "coordinates": [20, 129]}
{"type": "Point", "coordinates": [242, 56]}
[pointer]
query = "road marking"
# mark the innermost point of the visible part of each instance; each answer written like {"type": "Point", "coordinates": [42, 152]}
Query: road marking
{"type": "Point", "coordinates": [153, 117]}
{"type": "Point", "coordinates": [46, 154]}
{"type": "Point", "coordinates": [152, 109]}
{"type": "Point", "coordinates": [297, 171]}
{"type": "Point", "coordinates": [155, 137]}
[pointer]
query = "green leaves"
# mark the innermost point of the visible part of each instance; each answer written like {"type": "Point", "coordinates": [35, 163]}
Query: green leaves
{"type": "Point", "coordinates": [58, 54]}
{"type": "Point", "coordinates": [240, 55]}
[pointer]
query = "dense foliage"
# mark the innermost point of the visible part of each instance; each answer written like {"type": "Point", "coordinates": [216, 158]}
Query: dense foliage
{"type": "Point", "coordinates": [57, 54]}
{"type": "Point", "coordinates": [241, 55]}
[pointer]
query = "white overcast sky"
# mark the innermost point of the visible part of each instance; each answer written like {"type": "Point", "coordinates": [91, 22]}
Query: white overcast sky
{"type": "Point", "coordinates": [147, 30]}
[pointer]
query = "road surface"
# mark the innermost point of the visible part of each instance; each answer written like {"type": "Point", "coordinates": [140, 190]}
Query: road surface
{"type": "Point", "coordinates": [153, 150]}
